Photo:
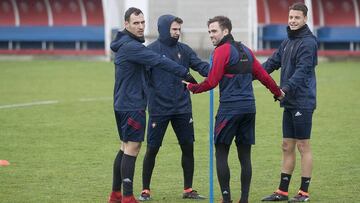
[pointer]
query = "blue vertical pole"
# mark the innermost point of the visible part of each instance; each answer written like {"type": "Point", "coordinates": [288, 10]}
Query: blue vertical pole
{"type": "Point", "coordinates": [211, 147]}
{"type": "Point", "coordinates": [211, 142]}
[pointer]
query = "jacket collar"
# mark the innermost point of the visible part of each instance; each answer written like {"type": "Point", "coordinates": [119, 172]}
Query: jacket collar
{"type": "Point", "coordinates": [139, 39]}
{"type": "Point", "coordinates": [226, 38]}
{"type": "Point", "coordinates": [304, 30]}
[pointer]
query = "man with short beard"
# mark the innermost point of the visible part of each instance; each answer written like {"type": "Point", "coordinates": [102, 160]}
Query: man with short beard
{"type": "Point", "coordinates": [169, 101]}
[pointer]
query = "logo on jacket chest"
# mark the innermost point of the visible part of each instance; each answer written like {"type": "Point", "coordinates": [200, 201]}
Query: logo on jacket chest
{"type": "Point", "coordinates": [178, 55]}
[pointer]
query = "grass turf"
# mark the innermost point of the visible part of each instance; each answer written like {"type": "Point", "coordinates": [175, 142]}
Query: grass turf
{"type": "Point", "coordinates": [63, 152]}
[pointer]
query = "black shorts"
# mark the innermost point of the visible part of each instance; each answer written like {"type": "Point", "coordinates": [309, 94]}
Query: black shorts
{"type": "Point", "coordinates": [297, 123]}
{"type": "Point", "coordinates": [131, 125]}
{"type": "Point", "coordinates": [181, 123]}
{"type": "Point", "coordinates": [240, 126]}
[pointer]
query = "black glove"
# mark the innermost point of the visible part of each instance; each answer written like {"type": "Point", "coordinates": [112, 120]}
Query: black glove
{"type": "Point", "coordinates": [189, 78]}
{"type": "Point", "coordinates": [276, 99]}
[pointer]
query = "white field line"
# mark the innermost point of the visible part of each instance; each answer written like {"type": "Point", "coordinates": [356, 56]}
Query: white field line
{"type": "Point", "coordinates": [8, 106]}
{"type": "Point", "coordinates": [81, 100]}
{"type": "Point", "coordinates": [37, 103]}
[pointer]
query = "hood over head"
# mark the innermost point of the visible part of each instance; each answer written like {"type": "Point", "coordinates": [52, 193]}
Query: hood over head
{"type": "Point", "coordinates": [164, 24]}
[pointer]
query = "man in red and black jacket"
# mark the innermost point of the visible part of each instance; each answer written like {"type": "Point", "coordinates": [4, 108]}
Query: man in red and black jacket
{"type": "Point", "coordinates": [233, 67]}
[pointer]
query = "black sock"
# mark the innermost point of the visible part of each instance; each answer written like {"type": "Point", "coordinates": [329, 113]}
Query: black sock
{"type": "Point", "coordinates": [148, 166]}
{"type": "Point", "coordinates": [244, 155]}
{"type": "Point", "coordinates": [187, 163]}
{"type": "Point", "coordinates": [284, 182]}
{"type": "Point", "coordinates": [223, 171]}
{"type": "Point", "coordinates": [117, 172]}
{"type": "Point", "coordinates": [127, 172]}
{"type": "Point", "coordinates": [305, 182]}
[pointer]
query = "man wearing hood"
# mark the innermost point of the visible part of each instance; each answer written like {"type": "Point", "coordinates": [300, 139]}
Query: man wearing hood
{"type": "Point", "coordinates": [297, 57]}
{"type": "Point", "coordinates": [169, 101]}
{"type": "Point", "coordinates": [131, 58]}
{"type": "Point", "coordinates": [233, 67]}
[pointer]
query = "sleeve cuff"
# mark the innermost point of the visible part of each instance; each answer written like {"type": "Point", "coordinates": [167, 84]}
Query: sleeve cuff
{"type": "Point", "coordinates": [286, 89]}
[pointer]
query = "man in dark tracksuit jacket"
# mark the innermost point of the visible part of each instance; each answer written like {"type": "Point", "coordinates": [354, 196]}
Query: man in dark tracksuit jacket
{"type": "Point", "coordinates": [233, 67]}
{"type": "Point", "coordinates": [169, 101]}
{"type": "Point", "coordinates": [131, 58]}
{"type": "Point", "coordinates": [297, 57]}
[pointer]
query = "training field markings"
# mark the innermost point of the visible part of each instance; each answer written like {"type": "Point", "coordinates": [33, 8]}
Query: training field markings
{"type": "Point", "coordinates": [29, 104]}
{"type": "Point", "coordinates": [38, 103]}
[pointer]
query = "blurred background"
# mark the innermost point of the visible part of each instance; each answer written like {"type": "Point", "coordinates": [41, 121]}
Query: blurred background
{"type": "Point", "coordinates": [57, 127]}
{"type": "Point", "coordinates": [86, 27]}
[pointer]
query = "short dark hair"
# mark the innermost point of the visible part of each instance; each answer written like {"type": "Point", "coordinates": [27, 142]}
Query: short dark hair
{"type": "Point", "coordinates": [132, 10]}
{"type": "Point", "coordinates": [299, 6]}
{"type": "Point", "coordinates": [224, 22]}
{"type": "Point", "coordinates": [178, 20]}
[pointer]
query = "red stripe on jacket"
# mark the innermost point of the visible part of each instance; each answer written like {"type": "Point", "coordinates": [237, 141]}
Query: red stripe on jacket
{"type": "Point", "coordinates": [221, 58]}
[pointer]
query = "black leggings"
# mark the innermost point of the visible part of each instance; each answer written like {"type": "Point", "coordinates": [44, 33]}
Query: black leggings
{"type": "Point", "coordinates": [223, 171]}
{"type": "Point", "coordinates": [187, 163]}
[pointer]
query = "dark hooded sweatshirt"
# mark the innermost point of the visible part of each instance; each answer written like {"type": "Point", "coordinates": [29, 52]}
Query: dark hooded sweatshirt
{"type": "Point", "coordinates": [167, 94]}
{"type": "Point", "coordinates": [297, 57]}
{"type": "Point", "coordinates": [131, 58]}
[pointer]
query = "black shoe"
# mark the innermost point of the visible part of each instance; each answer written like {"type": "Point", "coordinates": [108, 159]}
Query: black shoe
{"type": "Point", "coordinates": [193, 194]}
{"type": "Point", "coordinates": [301, 197]}
{"type": "Point", "coordinates": [276, 196]}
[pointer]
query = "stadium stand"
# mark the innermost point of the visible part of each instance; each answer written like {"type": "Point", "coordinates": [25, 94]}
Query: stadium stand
{"type": "Point", "coordinates": [278, 10]}
{"type": "Point", "coordinates": [52, 27]}
{"type": "Point", "coordinates": [7, 16]}
{"type": "Point", "coordinates": [261, 12]}
{"type": "Point", "coordinates": [94, 12]}
{"type": "Point", "coordinates": [66, 13]}
{"type": "Point", "coordinates": [339, 38]}
{"type": "Point", "coordinates": [316, 16]}
{"type": "Point", "coordinates": [336, 24]}
{"type": "Point", "coordinates": [339, 30]}
{"type": "Point", "coordinates": [273, 14]}
{"type": "Point", "coordinates": [32, 12]}
{"type": "Point", "coordinates": [77, 26]}
{"type": "Point", "coordinates": [338, 12]}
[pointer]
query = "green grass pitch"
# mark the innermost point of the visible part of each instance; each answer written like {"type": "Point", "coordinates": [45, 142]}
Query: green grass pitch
{"type": "Point", "coordinates": [58, 131]}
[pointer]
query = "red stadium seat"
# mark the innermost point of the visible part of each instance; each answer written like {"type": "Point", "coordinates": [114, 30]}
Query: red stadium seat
{"type": "Point", "coordinates": [94, 12]}
{"type": "Point", "coordinates": [338, 12]}
{"type": "Point", "coordinates": [316, 13]}
{"type": "Point", "coordinates": [7, 16]}
{"type": "Point", "coordinates": [66, 12]}
{"type": "Point", "coordinates": [32, 12]}
{"type": "Point", "coordinates": [358, 9]}
{"type": "Point", "coordinates": [261, 11]}
{"type": "Point", "coordinates": [279, 10]}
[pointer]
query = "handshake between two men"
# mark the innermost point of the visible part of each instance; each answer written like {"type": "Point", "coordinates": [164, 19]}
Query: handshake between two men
{"type": "Point", "coordinates": [189, 81]}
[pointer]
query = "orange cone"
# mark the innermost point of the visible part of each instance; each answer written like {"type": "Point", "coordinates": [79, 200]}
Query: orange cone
{"type": "Point", "coordinates": [4, 163]}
